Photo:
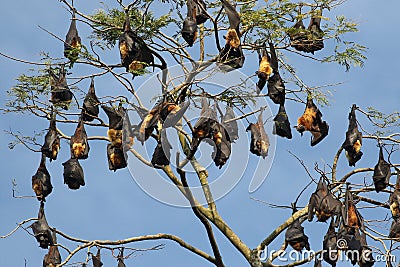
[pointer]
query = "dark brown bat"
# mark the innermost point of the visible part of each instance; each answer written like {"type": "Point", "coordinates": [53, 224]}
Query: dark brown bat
{"type": "Point", "coordinates": [41, 229]}
{"type": "Point", "coordinates": [298, 36]}
{"type": "Point", "coordinates": [232, 126]}
{"type": "Point", "coordinates": [60, 93]}
{"type": "Point", "coordinates": [51, 144]}
{"type": "Point", "coordinates": [201, 15]}
{"type": "Point", "coordinates": [353, 141]}
{"type": "Point", "coordinates": [318, 262]}
{"type": "Point", "coordinates": [134, 52]}
{"type": "Point", "coordinates": [171, 113]}
{"type": "Point", "coordinates": [221, 143]}
{"type": "Point", "coordinates": [276, 87]}
{"type": "Point", "coordinates": [162, 152]}
{"type": "Point", "coordinates": [121, 259]}
{"type": "Point", "coordinates": [127, 132]}
{"type": "Point", "coordinates": [330, 246]}
{"type": "Point", "coordinates": [264, 69]}
{"type": "Point", "coordinates": [323, 204]}
{"type": "Point", "coordinates": [366, 257]}
{"type": "Point", "coordinates": [352, 219]}
{"type": "Point", "coordinates": [231, 56]}
{"type": "Point", "coordinates": [96, 259]}
{"type": "Point", "coordinates": [296, 237]}
{"type": "Point", "coordinates": [91, 104]}
{"type": "Point", "coordinates": [259, 144]}
{"type": "Point", "coordinates": [381, 173]}
{"type": "Point", "coordinates": [395, 229]}
{"type": "Point", "coordinates": [79, 144]}
{"type": "Point", "coordinates": [73, 174]}
{"type": "Point", "coordinates": [41, 183]}
{"type": "Point", "coordinates": [53, 257]}
{"type": "Point", "coordinates": [116, 157]}
{"type": "Point", "coordinates": [311, 121]}
{"type": "Point", "coordinates": [72, 44]}
{"type": "Point", "coordinates": [350, 243]}
{"type": "Point", "coordinates": [394, 199]}
{"type": "Point", "coordinates": [315, 41]}
{"type": "Point", "coordinates": [189, 28]}
{"type": "Point", "coordinates": [115, 123]}
{"type": "Point", "coordinates": [282, 124]}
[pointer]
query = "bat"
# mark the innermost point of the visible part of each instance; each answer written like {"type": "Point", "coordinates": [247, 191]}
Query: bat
{"type": "Point", "coordinates": [41, 183]}
{"type": "Point", "coordinates": [315, 37]}
{"type": "Point", "coordinates": [189, 28]}
{"type": "Point", "coordinates": [171, 113]}
{"type": "Point", "coordinates": [395, 229]}
{"type": "Point", "coordinates": [264, 69]}
{"type": "Point", "coordinates": [73, 174]}
{"type": "Point", "coordinates": [41, 229]}
{"type": "Point", "coordinates": [296, 237]}
{"type": "Point", "coordinates": [351, 245]}
{"type": "Point", "coordinates": [259, 144]}
{"type": "Point", "coordinates": [352, 219]}
{"type": "Point", "coordinates": [51, 144]}
{"type": "Point", "coordinates": [366, 259]}
{"type": "Point", "coordinates": [149, 123]}
{"type": "Point", "coordinates": [90, 109]}
{"type": "Point", "coordinates": [352, 144]}
{"type": "Point", "coordinates": [53, 257]}
{"type": "Point", "coordinates": [72, 44]}
{"type": "Point", "coordinates": [222, 144]}
{"type": "Point", "coordinates": [127, 132]}
{"type": "Point", "coordinates": [60, 93]}
{"type": "Point", "coordinates": [275, 85]}
{"type": "Point", "coordinates": [394, 199]}
{"type": "Point", "coordinates": [121, 259]}
{"type": "Point", "coordinates": [201, 15]}
{"type": "Point", "coordinates": [323, 204]}
{"type": "Point", "coordinates": [135, 54]}
{"type": "Point", "coordinates": [232, 126]}
{"type": "Point", "coordinates": [162, 152]}
{"type": "Point", "coordinates": [298, 35]}
{"type": "Point", "coordinates": [330, 246]}
{"type": "Point", "coordinates": [116, 157]}
{"type": "Point", "coordinates": [231, 56]}
{"type": "Point", "coordinates": [115, 123]}
{"type": "Point", "coordinates": [381, 173]}
{"type": "Point", "coordinates": [318, 262]}
{"type": "Point", "coordinates": [311, 121]}
{"type": "Point", "coordinates": [282, 124]}
{"type": "Point", "coordinates": [79, 144]}
{"type": "Point", "coordinates": [96, 259]}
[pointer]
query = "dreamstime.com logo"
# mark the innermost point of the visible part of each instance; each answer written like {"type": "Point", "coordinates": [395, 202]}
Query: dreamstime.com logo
{"type": "Point", "coordinates": [241, 163]}
{"type": "Point", "coordinates": [333, 255]}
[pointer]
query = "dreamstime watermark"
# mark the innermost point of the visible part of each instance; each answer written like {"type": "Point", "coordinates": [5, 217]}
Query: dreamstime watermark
{"type": "Point", "coordinates": [334, 254]}
{"type": "Point", "coordinates": [241, 163]}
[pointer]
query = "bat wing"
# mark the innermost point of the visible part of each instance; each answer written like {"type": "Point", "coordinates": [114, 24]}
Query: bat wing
{"type": "Point", "coordinates": [264, 140]}
{"type": "Point", "coordinates": [41, 183]}
{"type": "Point", "coordinates": [231, 127]}
{"type": "Point", "coordinates": [173, 114]}
{"type": "Point", "coordinates": [201, 15]}
{"type": "Point", "coordinates": [114, 118]}
{"type": "Point", "coordinates": [382, 173]}
{"type": "Point", "coordinates": [330, 247]}
{"type": "Point", "coordinates": [96, 259]}
{"type": "Point", "coordinates": [274, 58]}
{"type": "Point", "coordinates": [276, 89]}
{"type": "Point", "coordinates": [90, 107]}
{"type": "Point", "coordinates": [282, 124]}
{"type": "Point", "coordinates": [79, 144]}
{"type": "Point", "coordinates": [395, 229]}
{"type": "Point", "coordinates": [295, 236]}
{"type": "Point", "coordinates": [41, 229]}
{"type": "Point", "coordinates": [73, 174]}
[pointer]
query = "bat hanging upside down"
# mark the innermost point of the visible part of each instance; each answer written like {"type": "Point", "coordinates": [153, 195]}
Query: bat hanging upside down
{"type": "Point", "coordinates": [352, 144]}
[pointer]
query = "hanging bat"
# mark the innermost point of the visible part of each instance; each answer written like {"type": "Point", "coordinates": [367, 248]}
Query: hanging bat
{"type": "Point", "coordinates": [366, 259]}
{"type": "Point", "coordinates": [149, 123]}
{"type": "Point", "coordinates": [381, 173]}
{"type": "Point", "coordinates": [189, 28]}
{"type": "Point", "coordinates": [41, 183]}
{"type": "Point", "coordinates": [41, 229]}
{"type": "Point", "coordinates": [73, 174]}
{"type": "Point", "coordinates": [394, 199]}
{"type": "Point", "coordinates": [330, 246]}
{"type": "Point", "coordinates": [115, 123]}
{"type": "Point", "coordinates": [315, 37]}
{"type": "Point", "coordinates": [323, 204]}
{"type": "Point", "coordinates": [351, 245]}
{"type": "Point", "coordinates": [276, 87]}
{"type": "Point", "coordinates": [51, 144]}
{"type": "Point", "coordinates": [352, 219]}
{"type": "Point", "coordinates": [231, 56]}
{"type": "Point", "coordinates": [264, 69]}
{"type": "Point", "coordinates": [60, 93]}
{"type": "Point", "coordinates": [79, 144]}
{"type": "Point", "coordinates": [121, 259]}
{"type": "Point", "coordinates": [53, 257]}
{"type": "Point", "coordinates": [295, 236]}
{"type": "Point", "coordinates": [72, 44]}
{"type": "Point", "coordinates": [96, 259]}
{"type": "Point", "coordinates": [352, 144]}
{"type": "Point", "coordinates": [90, 108]}
{"type": "Point", "coordinates": [282, 124]}
{"type": "Point", "coordinates": [318, 262]}
{"type": "Point", "coordinates": [162, 152]}
{"type": "Point", "coordinates": [259, 144]}
{"type": "Point", "coordinates": [201, 15]}
{"type": "Point", "coordinates": [171, 113]}
{"type": "Point", "coordinates": [395, 229]}
{"type": "Point", "coordinates": [135, 54]}
{"type": "Point", "coordinates": [298, 36]}
{"type": "Point", "coordinates": [232, 126]}
{"type": "Point", "coordinates": [221, 143]}
{"type": "Point", "coordinates": [116, 157]}
{"type": "Point", "coordinates": [311, 121]}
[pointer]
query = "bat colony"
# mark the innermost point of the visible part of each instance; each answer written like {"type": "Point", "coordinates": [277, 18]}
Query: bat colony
{"type": "Point", "coordinates": [135, 56]}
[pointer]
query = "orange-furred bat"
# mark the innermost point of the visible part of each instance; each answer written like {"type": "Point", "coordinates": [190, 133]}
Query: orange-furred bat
{"type": "Point", "coordinates": [41, 229]}
{"type": "Point", "coordinates": [90, 108]}
{"type": "Point", "coordinates": [311, 121]}
{"type": "Point", "coordinates": [60, 93]}
{"type": "Point", "coordinates": [394, 199]}
{"type": "Point", "coordinates": [232, 126]}
{"type": "Point", "coordinates": [259, 144]}
{"type": "Point", "coordinates": [41, 183]}
{"type": "Point", "coordinates": [51, 144]}
{"type": "Point", "coordinates": [282, 124]}
{"type": "Point", "coordinates": [264, 69]}
{"type": "Point", "coordinates": [115, 123]}
{"type": "Point", "coordinates": [353, 141]}
{"type": "Point", "coordinates": [73, 174]}
{"type": "Point", "coordinates": [381, 173]}
{"type": "Point", "coordinates": [72, 44]}
{"type": "Point", "coordinates": [231, 56]}
{"type": "Point", "coordinates": [352, 219]}
{"type": "Point", "coordinates": [96, 259]}
{"type": "Point", "coordinates": [116, 157]}
{"type": "Point", "coordinates": [134, 52]}
{"type": "Point", "coordinates": [276, 87]}
{"type": "Point", "coordinates": [330, 246]}
{"type": "Point", "coordinates": [53, 257]}
{"type": "Point", "coordinates": [79, 144]}
{"type": "Point", "coordinates": [323, 204]}
{"type": "Point", "coordinates": [296, 237]}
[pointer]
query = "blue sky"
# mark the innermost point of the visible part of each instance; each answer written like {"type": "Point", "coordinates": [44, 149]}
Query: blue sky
{"type": "Point", "coordinates": [112, 206]}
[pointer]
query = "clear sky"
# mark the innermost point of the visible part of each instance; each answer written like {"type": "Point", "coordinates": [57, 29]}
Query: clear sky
{"type": "Point", "coordinates": [112, 206]}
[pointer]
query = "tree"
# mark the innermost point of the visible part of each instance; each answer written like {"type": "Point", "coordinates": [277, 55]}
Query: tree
{"type": "Point", "coordinates": [22, 96]}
